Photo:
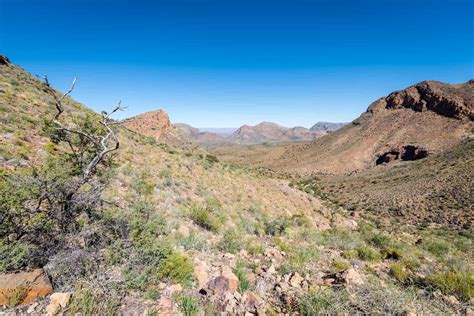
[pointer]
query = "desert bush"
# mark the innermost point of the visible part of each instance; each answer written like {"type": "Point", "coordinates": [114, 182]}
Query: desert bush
{"type": "Point", "coordinates": [88, 301]}
{"type": "Point", "coordinates": [231, 241]}
{"type": "Point", "coordinates": [176, 267]}
{"type": "Point", "coordinates": [193, 241]}
{"type": "Point", "coordinates": [340, 265]}
{"type": "Point", "coordinates": [16, 254]}
{"type": "Point", "coordinates": [368, 254]}
{"type": "Point", "coordinates": [204, 217]}
{"type": "Point", "coordinates": [457, 283]}
{"type": "Point", "coordinates": [299, 259]}
{"type": "Point", "coordinates": [392, 253]}
{"type": "Point", "coordinates": [276, 226]}
{"type": "Point", "coordinates": [399, 272]}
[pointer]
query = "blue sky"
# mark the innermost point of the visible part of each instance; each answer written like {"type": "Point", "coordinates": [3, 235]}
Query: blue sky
{"type": "Point", "coordinates": [221, 63]}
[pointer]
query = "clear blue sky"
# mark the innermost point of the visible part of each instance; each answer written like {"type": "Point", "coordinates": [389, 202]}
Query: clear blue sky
{"type": "Point", "coordinates": [225, 63]}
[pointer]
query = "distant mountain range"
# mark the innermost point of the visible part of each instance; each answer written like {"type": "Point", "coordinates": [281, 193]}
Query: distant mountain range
{"type": "Point", "coordinates": [265, 132]}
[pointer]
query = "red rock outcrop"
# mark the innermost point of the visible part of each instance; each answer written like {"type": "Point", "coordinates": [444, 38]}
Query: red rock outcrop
{"type": "Point", "coordinates": [447, 100]}
{"type": "Point", "coordinates": [29, 285]}
{"type": "Point", "coordinates": [155, 124]}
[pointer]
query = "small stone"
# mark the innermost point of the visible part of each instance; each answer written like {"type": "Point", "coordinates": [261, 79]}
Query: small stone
{"type": "Point", "coordinates": [31, 308]}
{"type": "Point", "coordinates": [271, 269]}
{"type": "Point", "coordinates": [175, 288]}
{"type": "Point", "coordinates": [451, 300]}
{"type": "Point", "coordinates": [351, 276]}
{"type": "Point", "coordinates": [296, 280]}
{"type": "Point", "coordinates": [57, 302]}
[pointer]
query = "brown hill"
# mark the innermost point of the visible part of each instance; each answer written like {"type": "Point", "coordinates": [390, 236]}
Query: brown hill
{"type": "Point", "coordinates": [421, 120]}
{"type": "Point", "coordinates": [195, 136]}
{"type": "Point", "coordinates": [271, 132]}
{"type": "Point", "coordinates": [155, 124]}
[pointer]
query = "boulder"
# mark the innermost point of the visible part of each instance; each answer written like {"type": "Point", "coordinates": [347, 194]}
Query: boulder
{"type": "Point", "coordinates": [200, 272]}
{"type": "Point", "coordinates": [57, 302]}
{"type": "Point", "coordinates": [227, 282]}
{"type": "Point", "coordinates": [33, 284]}
{"type": "Point", "coordinates": [349, 277]}
{"type": "Point", "coordinates": [251, 302]}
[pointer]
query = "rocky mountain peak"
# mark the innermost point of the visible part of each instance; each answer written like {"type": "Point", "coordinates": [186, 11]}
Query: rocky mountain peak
{"type": "Point", "coordinates": [155, 124]}
{"type": "Point", "coordinates": [454, 101]}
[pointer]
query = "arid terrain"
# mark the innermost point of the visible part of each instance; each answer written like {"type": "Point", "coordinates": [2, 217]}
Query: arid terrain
{"type": "Point", "coordinates": [373, 217]}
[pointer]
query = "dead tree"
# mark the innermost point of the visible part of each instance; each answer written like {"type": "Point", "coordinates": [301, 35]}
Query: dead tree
{"type": "Point", "coordinates": [103, 144]}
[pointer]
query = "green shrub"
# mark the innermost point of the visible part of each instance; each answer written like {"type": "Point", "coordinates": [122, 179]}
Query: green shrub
{"type": "Point", "coordinates": [277, 226]}
{"type": "Point", "coordinates": [368, 254]}
{"type": "Point", "coordinates": [176, 267]}
{"type": "Point", "coordinates": [399, 272]}
{"type": "Point", "coordinates": [340, 265]}
{"type": "Point", "coordinates": [204, 217]}
{"type": "Point", "coordinates": [212, 158]}
{"type": "Point", "coordinates": [231, 241]}
{"type": "Point", "coordinates": [14, 255]}
{"type": "Point", "coordinates": [350, 254]}
{"type": "Point", "coordinates": [188, 305]}
{"type": "Point", "coordinates": [392, 253]}
{"type": "Point", "coordinates": [456, 283]}
{"type": "Point", "coordinates": [439, 248]}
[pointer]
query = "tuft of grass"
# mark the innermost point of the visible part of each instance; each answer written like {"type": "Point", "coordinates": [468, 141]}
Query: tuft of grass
{"type": "Point", "coordinates": [368, 253]}
{"type": "Point", "coordinates": [16, 297]}
{"type": "Point", "coordinates": [392, 253]}
{"type": "Point", "coordinates": [399, 272]}
{"type": "Point", "coordinates": [340, 265]}
{"type": "Point", "coordinates": [460, 284]}
{"type": "Point", "coordinates": [204, 217]}
{"type": "Point", "coordinates": [188, 305]}
{"type": "Point", "coordinates": [281, 244]}
{"type": "Point", "coordinates": [324, 302]}
{"type": "Point", "coordinates": [244, 282]}
{"type": "Point", "coordinates": [231, 241]}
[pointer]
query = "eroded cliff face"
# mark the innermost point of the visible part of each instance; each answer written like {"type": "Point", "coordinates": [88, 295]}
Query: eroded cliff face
{"type": "Point", "coordinates": [154, 124]}
{"type": "Point", "coordinates": [454, 101]}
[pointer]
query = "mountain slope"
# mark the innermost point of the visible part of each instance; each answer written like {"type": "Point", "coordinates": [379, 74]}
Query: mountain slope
{"type": "Point", "coordinates": [270, 132]}
{"type": "Point", "coordinates": [179, 232]}
{"type": "Point", "coordinates": [195, 136]}
{"type": "Point", "coordinates": [424, 119]}
{"type": "Point", "coordinates": [326, 127]}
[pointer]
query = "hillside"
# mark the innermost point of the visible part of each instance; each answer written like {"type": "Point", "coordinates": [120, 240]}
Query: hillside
{"type": "Point", "coordinates": [271, 132]}
{"type": "Point", "coordinates": [326, 127]}
{"type": "Point", "coordinates": [179, 232]}
{"type": "Point", "coordinates": [399, 126]}
{"type": "Point", "coordinates": [195, 136]}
